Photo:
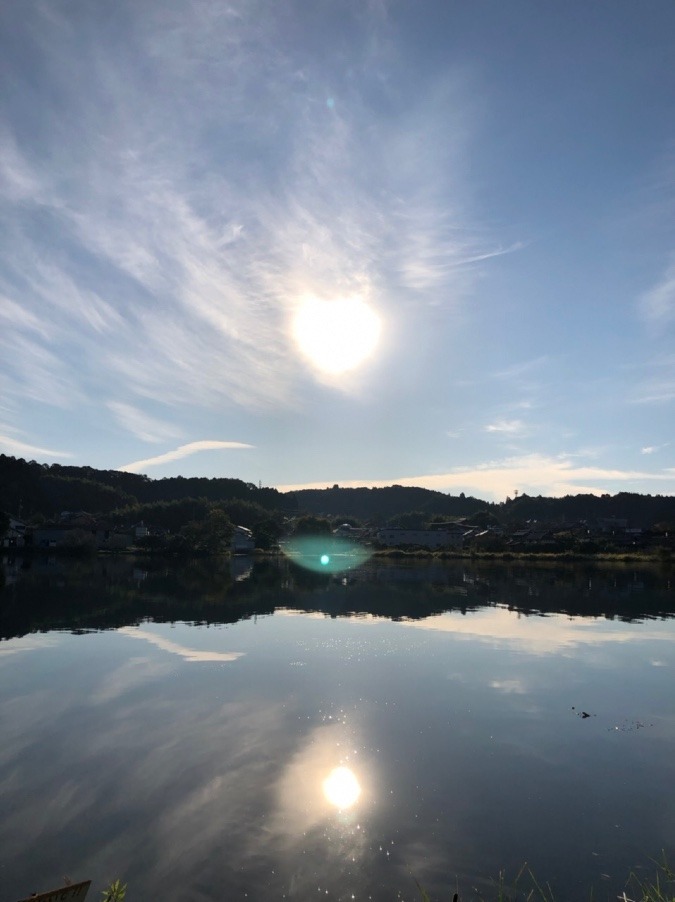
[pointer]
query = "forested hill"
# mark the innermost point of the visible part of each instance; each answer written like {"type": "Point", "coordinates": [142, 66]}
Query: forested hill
{"type": "Point", "coordinates": [387, 503]}
{"type": "Point", "coordinates": [30, 488]}
{"type": "Point", "coordinates": [382, 504]}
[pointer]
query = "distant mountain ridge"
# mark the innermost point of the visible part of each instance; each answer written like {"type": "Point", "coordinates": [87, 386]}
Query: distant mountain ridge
{"type": "Point", "coordinates": [384, 503]}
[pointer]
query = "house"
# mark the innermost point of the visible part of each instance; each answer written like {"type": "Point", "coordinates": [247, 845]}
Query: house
{"type": "Point", "coordinates": [613, 524]}
{"type": "Point", "coordinates": [49, 535]}
{"type": "Point", "coordinates": [345, 531]}
{"type": "Point", "coordinates": [15, 535]}
{"type": "Point", "coordinates": [395, 537]}
{"type": "Point", "coordinates": [80, 531]}
{"type": "Point", "coordinates": [242, 541]}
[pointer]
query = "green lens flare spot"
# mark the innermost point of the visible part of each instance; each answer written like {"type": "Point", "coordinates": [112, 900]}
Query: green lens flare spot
{"type": "Point", "coordinates": [325, 554]}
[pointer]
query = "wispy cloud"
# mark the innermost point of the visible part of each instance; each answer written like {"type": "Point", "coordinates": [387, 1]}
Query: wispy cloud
{"type": "Point", "coordinates": [17, 178]}
{"type": "Point", "coordinates": [524, 368]}
{"type": "Point", "coordinates": [17, 317]}
{"type": "Point", "coordinates": [141, 424]}
{"type": "Point", "coordinates": [657, 385]}
{"type": "Point", "coordinates": [653, 449]}
{"type": "Point", "coordinates": [13, 446]}
{"type": "Point", "coordinates": [658, 304]}
{"type": "Point", "coordinates": [656, 392]}
{"type": "Point", "coordinates": [34, 372]}
{"type": "Point", "coordinates": [509, 427]}
{"type": "Point", "coordinates": [182, 451]}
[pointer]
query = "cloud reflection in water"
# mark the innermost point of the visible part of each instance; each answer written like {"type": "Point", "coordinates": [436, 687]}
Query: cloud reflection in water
{"type": "Point", "coordinates": [188, 654]}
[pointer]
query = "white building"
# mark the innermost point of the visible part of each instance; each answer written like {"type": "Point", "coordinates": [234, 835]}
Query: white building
{"type": "Point", "coordinates": [14, 537]}
{"type": "Point", "coordinates": [346, 531]}
{"type": "Point", "coordinates": [242, 541]}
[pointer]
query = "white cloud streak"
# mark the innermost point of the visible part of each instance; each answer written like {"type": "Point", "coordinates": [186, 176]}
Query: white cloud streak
{"type": "Point", "coordinates": [183, 451]}
{"type": "Point", "coordinates": [187, 654]}
{"type": "Point", "coordinates": [11, 445]}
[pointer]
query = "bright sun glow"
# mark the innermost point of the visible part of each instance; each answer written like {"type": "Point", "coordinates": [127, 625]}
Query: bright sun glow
{"type": "Point", "coordinates": [341, 787]}
{"type": "Point", "coordinates": [336, 335]}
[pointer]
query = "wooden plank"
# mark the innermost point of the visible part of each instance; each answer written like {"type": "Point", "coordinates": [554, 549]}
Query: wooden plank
{"type": "Point", "coordinates": [76, 892]}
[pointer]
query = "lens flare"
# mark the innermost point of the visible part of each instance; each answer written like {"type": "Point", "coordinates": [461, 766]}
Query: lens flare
{"type": "Point", "coordinates": [325, 554]}
{"type": "Point", "coordinates": [341, 788]}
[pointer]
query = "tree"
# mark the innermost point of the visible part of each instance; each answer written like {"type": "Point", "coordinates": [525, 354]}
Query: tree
{"type": "Point", "coordinates": [267, 533]}
{"type": "Point", "coordinates": [78, 541]}
{"type": "Point", "coordinates": [212, 535]}
{"type": "Point", "coordinates": [484, 519]}
{"type": "Point", "coordinates": [312, 526]}
{"type": "Point", "coordinates": [410, 520]}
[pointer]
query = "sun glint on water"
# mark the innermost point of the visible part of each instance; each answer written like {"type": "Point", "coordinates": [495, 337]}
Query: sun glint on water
{"type": "Point", "coordinates": [341, 787]}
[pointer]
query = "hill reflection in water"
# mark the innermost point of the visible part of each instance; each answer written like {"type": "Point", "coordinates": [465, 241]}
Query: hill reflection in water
{"type": "Point", "coordinates": [44, 594]}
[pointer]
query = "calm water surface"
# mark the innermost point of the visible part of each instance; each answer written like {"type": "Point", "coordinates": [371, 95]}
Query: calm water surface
{"type": "Point", "coordinates": [175, 725]}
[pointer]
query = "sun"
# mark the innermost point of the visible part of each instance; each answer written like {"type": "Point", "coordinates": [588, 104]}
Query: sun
{"type": "Point", "coordinates": [338, 335]}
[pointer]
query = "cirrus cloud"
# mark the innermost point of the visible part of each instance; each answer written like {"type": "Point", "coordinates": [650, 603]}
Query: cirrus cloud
{"type": "Point", "coordinates": [510, 427]}
{"type": "Point", "coordinates": [658, 304]}
{"type": "Point", "coordinates": [14, 446]}
{"type": "Point", "coordinates": [143, 426]}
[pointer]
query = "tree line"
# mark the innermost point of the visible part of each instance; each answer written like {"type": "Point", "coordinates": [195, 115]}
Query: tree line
{"type": "Point", "coordinates": [37, 491]}
{"type": "Point", "coordinates": [28, 488]}
{"type": "Point", "coordinates": [412, 507]}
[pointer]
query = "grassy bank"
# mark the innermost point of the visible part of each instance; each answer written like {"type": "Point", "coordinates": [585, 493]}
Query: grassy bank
{"type": "Point", "coordinates": [615, 557]}
{"type": "Point", "coordinates": [526, 888]}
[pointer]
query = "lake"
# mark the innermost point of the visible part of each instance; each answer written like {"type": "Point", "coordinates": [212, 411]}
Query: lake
{"type": "Point", "coordinates": [237, 730]}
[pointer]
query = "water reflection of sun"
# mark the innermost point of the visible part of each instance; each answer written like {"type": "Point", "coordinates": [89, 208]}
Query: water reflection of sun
{"type": "Point", "coordinates": [341, 788]}
{"type": "Point", "coordinates": [321, 787]}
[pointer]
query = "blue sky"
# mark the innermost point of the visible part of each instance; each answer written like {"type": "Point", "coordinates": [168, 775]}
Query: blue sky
{"type": "Point", "coordinates": [362, 243]}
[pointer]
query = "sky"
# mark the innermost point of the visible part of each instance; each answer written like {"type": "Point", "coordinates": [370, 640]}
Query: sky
{"type": "Point", "coordinates": [365, 243]}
